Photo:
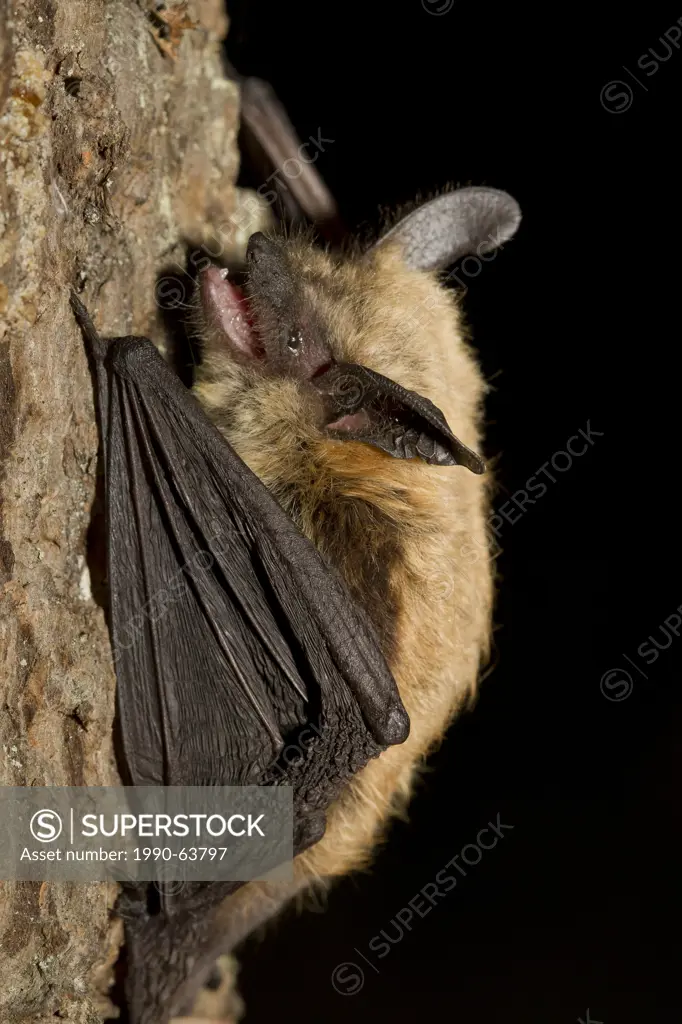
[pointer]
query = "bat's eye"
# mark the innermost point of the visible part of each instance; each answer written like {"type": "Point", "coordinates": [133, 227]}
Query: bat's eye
{"type": "Point", "coordinates": [295, 341]}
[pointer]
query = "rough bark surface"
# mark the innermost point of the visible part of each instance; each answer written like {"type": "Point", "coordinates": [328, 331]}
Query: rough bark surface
{"type": "Point", "coordinates": [117, 140]}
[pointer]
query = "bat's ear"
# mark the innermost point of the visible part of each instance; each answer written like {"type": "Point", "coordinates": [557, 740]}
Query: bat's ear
{"type": "Point", "coordinates": [362, 405]}
{"type": "Point", "coordinates": [468, 221]}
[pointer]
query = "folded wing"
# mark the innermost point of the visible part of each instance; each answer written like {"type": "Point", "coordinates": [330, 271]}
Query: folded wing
{"type": "Point", "coordinates": [229, 631]}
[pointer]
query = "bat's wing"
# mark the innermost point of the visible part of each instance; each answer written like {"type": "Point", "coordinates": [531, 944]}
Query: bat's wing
{"type": "Point", "coordinates": [230, 634]}
{"type": "Point", "coordinates": [278, 157]}
{"type": "Point", "coordinates": [229, 631]}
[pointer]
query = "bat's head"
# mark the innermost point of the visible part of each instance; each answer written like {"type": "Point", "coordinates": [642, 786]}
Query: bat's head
{"type": "Point", "coordinates": [288, 353]}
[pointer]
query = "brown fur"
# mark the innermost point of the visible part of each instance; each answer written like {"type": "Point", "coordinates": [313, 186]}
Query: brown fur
{"type": "Point", "coordinates": [409, 538]}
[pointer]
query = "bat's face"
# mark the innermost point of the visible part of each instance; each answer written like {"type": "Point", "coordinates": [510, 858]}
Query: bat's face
{"type": "Point", "coordinates": [270, 350]}
{"type": "Point", "coordinates": [278, 326]}
{"type": "Point", "coordinates": [280, 359]}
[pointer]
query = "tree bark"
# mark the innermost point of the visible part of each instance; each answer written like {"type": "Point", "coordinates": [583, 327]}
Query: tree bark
{"type": "Point", "coordinates": [117, 138]}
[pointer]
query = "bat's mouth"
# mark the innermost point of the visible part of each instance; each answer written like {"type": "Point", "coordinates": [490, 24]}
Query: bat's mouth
{"type": "Point", "coordinates": [228, 310]}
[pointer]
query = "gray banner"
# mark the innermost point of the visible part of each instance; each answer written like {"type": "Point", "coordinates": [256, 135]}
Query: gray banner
{"type": "Point", "coordinates": [145, 833]}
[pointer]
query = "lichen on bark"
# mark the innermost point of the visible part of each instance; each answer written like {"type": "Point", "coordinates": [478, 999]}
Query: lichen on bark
{"type": "Point", "coordinates": [116, 152]}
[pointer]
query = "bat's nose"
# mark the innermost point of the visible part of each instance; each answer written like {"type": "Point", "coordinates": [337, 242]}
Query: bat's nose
{"type": "Point", "coordinates": [259, 247]}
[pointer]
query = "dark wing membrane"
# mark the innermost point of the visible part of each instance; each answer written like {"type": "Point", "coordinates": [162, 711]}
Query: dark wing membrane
{"type": "Point", "coordinates": [402, 423]}
{"type": "Point", "coordinates": [227, 626]}
{"type": "Point", "coordinates": [190, 714]}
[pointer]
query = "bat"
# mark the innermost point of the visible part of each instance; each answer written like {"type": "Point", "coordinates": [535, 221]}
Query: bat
{"type": "Point", "coordinates": [408, 533]}
{"type": "Point", "coordinates": [318, 551]}
{"type": "Point", "coordinates": [334, 534]}
{"type": "Point", "coordinates": [323, 375]}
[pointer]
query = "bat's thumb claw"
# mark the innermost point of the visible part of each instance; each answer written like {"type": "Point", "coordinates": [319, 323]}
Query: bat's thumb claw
{"type": "Point", "coordinates": [396, 726]}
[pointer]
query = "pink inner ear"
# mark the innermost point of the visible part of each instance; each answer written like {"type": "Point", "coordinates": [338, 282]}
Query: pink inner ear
{"type": "Point", "coordinates": [226, 308]}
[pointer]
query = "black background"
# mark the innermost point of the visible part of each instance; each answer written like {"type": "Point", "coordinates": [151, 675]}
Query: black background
{"type": "Point", "coordinates": [578, 906]}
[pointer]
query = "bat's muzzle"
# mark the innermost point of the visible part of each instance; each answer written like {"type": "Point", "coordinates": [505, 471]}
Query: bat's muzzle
{"type": "Point", "coordinates": [260, 247]}
{"type": "Point", "coordinates": [267, 261]}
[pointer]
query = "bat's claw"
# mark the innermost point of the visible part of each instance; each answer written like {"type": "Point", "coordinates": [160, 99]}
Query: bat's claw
{"type": "Point", "coordinates": [396, 727]}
